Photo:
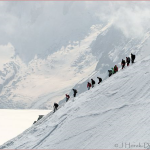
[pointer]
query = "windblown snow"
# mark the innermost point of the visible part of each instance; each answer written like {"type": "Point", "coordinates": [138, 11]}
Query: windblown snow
{"type": "Point", "coordinates": [114, 112]}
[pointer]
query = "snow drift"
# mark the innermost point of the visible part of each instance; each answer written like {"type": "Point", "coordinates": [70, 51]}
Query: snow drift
{"type": "Point", "coordinates": [115, 112]}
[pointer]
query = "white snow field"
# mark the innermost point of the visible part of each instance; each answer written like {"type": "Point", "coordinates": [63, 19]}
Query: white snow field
{"type": "Point", "coordinates": [115, 112]}
{"type": "Point", "coordinates": [14, 122]}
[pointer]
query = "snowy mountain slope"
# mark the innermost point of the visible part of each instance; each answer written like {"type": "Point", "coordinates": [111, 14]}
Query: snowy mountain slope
{"type": "Point", "coordinates": [13, 122]}
{"type": "Point", "coordinates": [115, 112]}
{"type": "Point", "coordinates": [56, 47]}
{"type": "Point", "coordinates": [43, 81]}
{"type": "Point", "coordinates": [110, 47]}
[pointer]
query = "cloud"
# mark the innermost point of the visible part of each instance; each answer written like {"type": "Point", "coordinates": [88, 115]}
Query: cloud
{"type": "Point", "coordinates": [6, 53]}
{"type": "Point", "coordinates": [132, 18]}
{"type": "Point", "coordinates": [44, 27]}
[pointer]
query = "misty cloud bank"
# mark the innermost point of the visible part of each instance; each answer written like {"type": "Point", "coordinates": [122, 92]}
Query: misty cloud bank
{"type": "Point", "coordinates": [43, 27]}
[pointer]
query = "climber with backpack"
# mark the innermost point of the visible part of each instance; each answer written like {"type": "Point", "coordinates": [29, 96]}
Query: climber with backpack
{"type": "Point", "coordinates": [115, 69]}
{"type": "Point", "coordinates": [55, 106]}
{"type": "Point", "coordinates": [67, 97]}
{"type": "Point", "coordinates": [128, 60]}
{"type": "Point", "coordinates": [132, 58]}
{"type": "Point", "coordinates": [123, 63]}
{"type": "Point", "coordinates": [88, 85]}
{"type": "Point", "coordinates": [74, 92]}
{"type": "Point", "coordinates": [93, 82]}
{"type": "Point", "coordinates": [110, 73]}
{"type": "Point", "coordinates": [112, 70]}
{"type": "Point", "coordinates": [100, 80]}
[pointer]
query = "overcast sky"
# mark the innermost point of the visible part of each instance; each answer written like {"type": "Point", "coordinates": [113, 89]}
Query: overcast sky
{"type": "Point", "coordinates": [43, 27]}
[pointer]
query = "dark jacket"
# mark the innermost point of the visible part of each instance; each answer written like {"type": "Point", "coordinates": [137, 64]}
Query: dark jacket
{"type": "Point", "coordinates": [74, 90]}
{"type": "Point", "coordinates": [56, 105]}
{"type": "Point", "coordinates": [93, 82]}
{"type": "Point", "coordinates": [100, 79]}
{"type": "Point", "coordinates": [88, 84]}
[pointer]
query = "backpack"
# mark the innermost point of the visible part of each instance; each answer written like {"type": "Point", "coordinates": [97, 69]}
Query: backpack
{"type": "Point", "coordinates": [93, 81]}
{"type": "Point", "coordinates": [133, 56]}
{"type": "Point", "coordinates": [123, 62]}
{"type": "Point", "coordinates": [56, 105]}
{"type": "Point", "coordinates": [128, 59]}
{"type": "Point", "coordinates": [115, 68]}
{"type": "Point", "coordinates": [112, 70]}
{"type": "Point", "coordinates": [75, 91]}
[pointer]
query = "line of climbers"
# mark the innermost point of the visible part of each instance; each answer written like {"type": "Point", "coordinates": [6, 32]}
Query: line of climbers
{"type": "Point", "coordinates": [92, 84]}
{"type": "Point", "coordinates": [89, 85]}
{"type": "Point", "coordinates": [67, 98]}
{"type": "Point", "coordinates": [123, 63]}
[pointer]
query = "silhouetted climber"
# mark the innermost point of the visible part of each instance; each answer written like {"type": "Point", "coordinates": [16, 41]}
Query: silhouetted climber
{"type": "Point", "coordinates": [100, 80]}
{"type": "Point", "coordinates": [55, 106]}
{"type": "Point", "coordinates": [88, 85]}
{"type": "Point", "coordinates": [67, 97]}
{"type": "Point", "coordinates": [93, 82]}
{"type": "Point", "coordinates": [115, 69]}
{"type": "Point", "coordinates": [128, 60]}
{"type": "Point", "coordinates": [132, 58]}
{"type": "Point", "coordinates": [74, 92]}
{"type": "Point", "coordinates": [110, 72]}
{"type": "Point", "coordinates": [123, 63]}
